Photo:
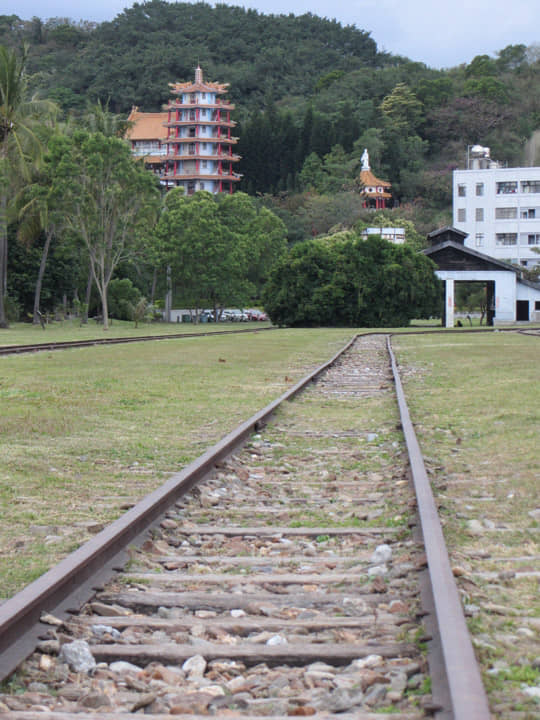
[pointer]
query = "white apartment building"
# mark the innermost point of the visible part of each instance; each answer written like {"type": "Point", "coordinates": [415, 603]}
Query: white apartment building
{"type": "Point", "coordinates": [499, 208]}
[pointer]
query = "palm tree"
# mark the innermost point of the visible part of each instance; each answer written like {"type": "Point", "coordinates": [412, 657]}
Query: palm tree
{"type": "Point", "coordinates": [20, 146]}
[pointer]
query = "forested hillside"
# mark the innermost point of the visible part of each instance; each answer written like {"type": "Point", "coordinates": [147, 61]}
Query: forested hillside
{"type": "Point", "coordinates": [310, 95]}
{"type": "Point", "coordinates": [302, 85]}
{"type": "Point", "coordinates": [131, 60]}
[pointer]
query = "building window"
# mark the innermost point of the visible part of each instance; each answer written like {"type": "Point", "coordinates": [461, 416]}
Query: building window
{"type": "Point", "coordinates": [204, 163]}
{"type": "Point", "coordinates": [479, 239]}
{"type": "Point", "coordinates": [505, 213]}
{"type": "Point", "coordinates": [506, 188]}
{"type": "Point", "coordinates": [506, 238]}
{"type": "Point", "coordinates": [479, 189]}
{"type": "Point", "coordinates": [528, 214]}
{"type": "Point", "coordinates": [201, 185]}
{"type": "Point", "coordinates": [462, 215]}
{"type": "Point", "coordinates": [462, 190]}
{"type": "Point", "coordinates": [479, 215]}
{"type": "Point", "coordinates": [537, 304]}
{"type": "Point", "coordinates": [530, 186]}
{"type": "Point", "coordinates": [533, 239]}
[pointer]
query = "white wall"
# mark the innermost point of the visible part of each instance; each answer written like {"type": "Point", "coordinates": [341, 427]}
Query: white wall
{"type": "Point", "coordinates": [505, 289]}
{"type": "Point", "coordinates": [489, 201]}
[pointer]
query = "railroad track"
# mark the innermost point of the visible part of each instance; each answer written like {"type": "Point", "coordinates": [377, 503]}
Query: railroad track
{"type": "Point", "coordinates": [285, 579]}
{"type": "Point", "coordinates": [69, 344]}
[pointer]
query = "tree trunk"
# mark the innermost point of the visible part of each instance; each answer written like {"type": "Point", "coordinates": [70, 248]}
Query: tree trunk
{"type": "Point", "coordinates": [88, 293]}
{"type": "Point", "coordinates": [105, 307]}
{"type": "Point", "coordinates": [3, 260]}
{"type": "Point", "coordinates": [39, 281]}
{"type": "Point", "coordinates": [154, 283]}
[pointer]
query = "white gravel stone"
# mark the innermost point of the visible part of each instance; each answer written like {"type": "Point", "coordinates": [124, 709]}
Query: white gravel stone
{"type": "Point", "coordinates": [381, 555]}
{"type": "Point", "coordinates": [238, 613]}
{"type": "Point", "coordinates": [370, 661]}
{"type": "Point", "coordinates": [121, 666]}
{"type": "Point", "coordinates": [277, 640]}
{"type": "Point", "coordinates": [78, 656]}
{"type": "Point", "coordinates": [101, 630]}
{"type": "Point", "coordinates": [195, 666]}
{"type": "Point", "coordinates": [475, 527]}
{"type": "Point", "coordinates": [378, 571]}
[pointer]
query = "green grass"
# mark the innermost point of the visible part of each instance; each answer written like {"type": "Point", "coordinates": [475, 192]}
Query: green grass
{"type": "Point", "coordinates": [84, 432]}
{"type": "Point", "coordinates": [69, 330]}
{"type": "Point", "coordinates": [475, 403]}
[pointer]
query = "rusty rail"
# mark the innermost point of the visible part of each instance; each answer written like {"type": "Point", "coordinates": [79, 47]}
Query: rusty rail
{"type": "Point", "coordinates": [467, 693]}
{"type": "Point", "coordinates": [67, 586]}
{"type": "Point", "coordinates": [68, 344]}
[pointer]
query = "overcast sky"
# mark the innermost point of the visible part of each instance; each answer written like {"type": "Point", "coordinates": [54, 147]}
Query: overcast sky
{"type": "Point", "coordinates": [440, 33]}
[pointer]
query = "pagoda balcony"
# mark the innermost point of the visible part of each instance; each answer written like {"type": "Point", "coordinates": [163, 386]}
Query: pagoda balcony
{"type": "Point", "coordinates": [191, 104]}
{"type": "Point", "coordinates": [224, 157]}
{"type": "Point", "coordinates": [200, 121]}
{"type": "Point", "coordinates": [214, 140]}
{"type": "Point", "coordinates": [234, 177]}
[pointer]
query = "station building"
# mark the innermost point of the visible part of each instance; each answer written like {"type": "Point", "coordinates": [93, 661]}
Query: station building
{"type": "Point", "coordinates": [510, 297]}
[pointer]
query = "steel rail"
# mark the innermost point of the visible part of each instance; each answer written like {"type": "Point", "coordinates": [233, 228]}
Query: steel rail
{"type": "Point", "coordinates": [68, 344]}
{"type": "Point", "coordinates": [67, 586]}
{"type": "Point", "coordinates": [467, 694]}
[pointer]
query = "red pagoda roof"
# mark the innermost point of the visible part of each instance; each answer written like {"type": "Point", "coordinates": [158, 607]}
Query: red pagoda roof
{"type": "Point", "coordinates": [199, 85]}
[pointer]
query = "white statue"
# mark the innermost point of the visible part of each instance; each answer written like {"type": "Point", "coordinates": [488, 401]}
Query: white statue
{"type": "Point", "coordinates": [365, 160]}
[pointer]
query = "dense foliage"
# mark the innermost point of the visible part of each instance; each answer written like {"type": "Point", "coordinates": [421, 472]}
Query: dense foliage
{"type": "Point", "coordinates": [220, 249]}
{"type": "Point", "coordinates": [350, 281]}
{"type": "Point", "coordinates": [310, 95]}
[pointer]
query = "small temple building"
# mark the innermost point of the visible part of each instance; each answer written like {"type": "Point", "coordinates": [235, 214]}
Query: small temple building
{"type": "Point", "coordinates": [375, 192]}
{"type": "Point", "coordinates": [189, 144]}
{"type": "Point", "coordinates": [147, 134]}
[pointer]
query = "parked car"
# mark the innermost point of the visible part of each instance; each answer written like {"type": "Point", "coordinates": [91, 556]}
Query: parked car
{"type": "Point", "coordinates": [236, 315]}
{"type": "Point", "coordinates": [255, 314]}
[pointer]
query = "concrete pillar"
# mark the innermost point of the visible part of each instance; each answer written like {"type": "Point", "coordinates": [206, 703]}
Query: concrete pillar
{"type": "Point", "coordinates": [449, 303]}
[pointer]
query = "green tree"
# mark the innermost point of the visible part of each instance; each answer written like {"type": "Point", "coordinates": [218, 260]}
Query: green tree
{"type": "Point", "coordinates": [208, 266]}
{"type": "Point", "coordinates": [258, 232]}
{"type": "Point", "coordinates": [20, 146]}
{"type": "Point", "coordinates": [345, 280]}
{"type": "Point", "coordinates": [402, 111]}
{"type": "Point", "coordinates": [109, 200]}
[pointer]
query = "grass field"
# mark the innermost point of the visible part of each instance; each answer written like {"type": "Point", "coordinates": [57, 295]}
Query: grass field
{"type": "Point", "coordinates": [85, 432]}
{"type": "Point", "coordinates": [475, 402]}
{"type": "Point", "coordinates": [69, 330]}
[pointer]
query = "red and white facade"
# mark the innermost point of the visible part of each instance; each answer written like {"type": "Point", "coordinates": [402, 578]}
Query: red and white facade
{"type": "Point", "coordinates": [375, 193]}
{"type": "Point", "coordinates": [199, 140]}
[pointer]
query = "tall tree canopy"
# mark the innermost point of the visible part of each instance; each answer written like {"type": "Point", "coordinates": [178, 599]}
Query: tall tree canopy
{"type": "Point", "coordinates": [110, 201]}
{"type": "Point", "coordinates": [218, 249]}
{"type": "Point", "coordinates": [20, 145]}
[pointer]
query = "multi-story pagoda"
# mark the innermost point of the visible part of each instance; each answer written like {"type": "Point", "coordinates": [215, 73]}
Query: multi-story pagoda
{"type": "Point", "coordinates": [199, 141]}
